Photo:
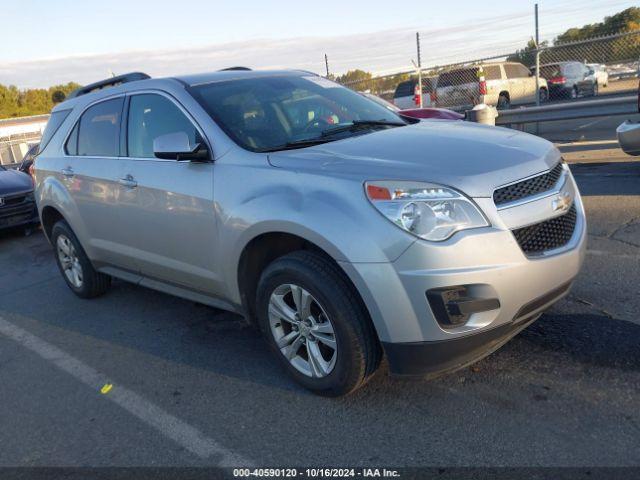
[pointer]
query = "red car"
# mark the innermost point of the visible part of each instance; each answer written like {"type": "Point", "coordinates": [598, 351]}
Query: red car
{"type": "Point", "coordinates": [428, 112]}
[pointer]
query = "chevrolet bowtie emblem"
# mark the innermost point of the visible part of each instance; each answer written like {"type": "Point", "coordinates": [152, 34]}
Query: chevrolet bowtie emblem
{"type": "Point", "coordinates": [562, 202]}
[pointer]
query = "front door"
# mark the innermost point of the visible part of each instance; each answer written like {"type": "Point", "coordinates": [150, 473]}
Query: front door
{"type": "Point", "coordinates": [171, 217]}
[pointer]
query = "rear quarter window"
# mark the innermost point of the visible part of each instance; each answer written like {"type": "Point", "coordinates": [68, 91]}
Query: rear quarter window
{"type": "Point", "coordinates": [405, 89]}
{"type": "Point", "coordinates": [55, 120]}
{"type": "Point", "coordinates": [454, 78]}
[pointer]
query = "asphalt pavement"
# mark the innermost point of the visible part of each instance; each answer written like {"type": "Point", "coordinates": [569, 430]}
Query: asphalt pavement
{"type": "Point", "coordinates": [187, 385]}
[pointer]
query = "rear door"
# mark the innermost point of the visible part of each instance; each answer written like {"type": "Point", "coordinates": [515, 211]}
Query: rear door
{"type": "Point", "coordinates": [91, 173]}
{"type": "Point", "coordinates": [495, 83]}
{"type": "Point", "coordinates": [171, 221]}
{"type": "Point", "coordinates": [522, 86]}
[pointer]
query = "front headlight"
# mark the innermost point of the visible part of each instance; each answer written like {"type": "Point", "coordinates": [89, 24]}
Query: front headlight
{"type": "Point", "coordinates": [428, 211]}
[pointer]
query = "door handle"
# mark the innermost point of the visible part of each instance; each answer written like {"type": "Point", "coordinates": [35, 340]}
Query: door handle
{"type": "Point", "coordinates": [67, 172]}
{"type": "Point", "coordinates": [128, 182]}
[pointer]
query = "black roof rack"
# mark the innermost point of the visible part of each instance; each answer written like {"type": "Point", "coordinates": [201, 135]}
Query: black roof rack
{"type": "Point", "coordinates": [109, 82]}
{"type": "Point", "coordinates": [234, 68]}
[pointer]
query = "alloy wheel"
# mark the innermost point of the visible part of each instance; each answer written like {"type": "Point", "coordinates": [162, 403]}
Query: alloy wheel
{"type": "Point", "coordinates": [69, 261]}
{"type": "Point", "coordinates": [302, 330]}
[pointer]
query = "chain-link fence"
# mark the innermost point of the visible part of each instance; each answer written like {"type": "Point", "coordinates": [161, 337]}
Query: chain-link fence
{"type": "Point", "coordinates": [14, 147]}
{"type": "Point", "coordinates": [597, 66]}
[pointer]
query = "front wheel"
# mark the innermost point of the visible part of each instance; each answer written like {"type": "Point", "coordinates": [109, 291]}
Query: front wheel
{"type": "Point", "coordinates": [595, 89]}
{"type": "Point", "coordinates": [75, 266]}
{"type": "Point", "coordinates": [316, 324]}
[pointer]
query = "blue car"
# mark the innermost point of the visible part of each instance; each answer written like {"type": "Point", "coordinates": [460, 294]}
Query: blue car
{"type": "Point", "coordinates": [17, 203]}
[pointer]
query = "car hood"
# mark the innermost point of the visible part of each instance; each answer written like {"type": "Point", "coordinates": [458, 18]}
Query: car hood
{"type": "Point", "coordinates": [473, 158]}
{"type": "Point", "coordinates": [12, 181]}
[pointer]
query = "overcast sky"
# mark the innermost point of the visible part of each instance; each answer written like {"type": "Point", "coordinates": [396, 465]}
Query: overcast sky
{"type": "Point", "coordinates": [45, 42]}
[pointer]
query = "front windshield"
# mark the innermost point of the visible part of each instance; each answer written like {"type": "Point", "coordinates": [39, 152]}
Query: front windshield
{"type": "Point", "coordinates": [382, 102]}
{"type": "Point", "coordinates": [277, 112]}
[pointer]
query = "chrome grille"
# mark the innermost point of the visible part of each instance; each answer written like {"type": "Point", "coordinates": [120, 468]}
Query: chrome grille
{"type": "Point", "coordinates": [527, 188]}
{"type": "Point", "coordinates": [547, 235]}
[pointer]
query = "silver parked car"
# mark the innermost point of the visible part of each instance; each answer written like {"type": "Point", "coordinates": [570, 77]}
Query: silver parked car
{"type": "Point", "coordinates": [342, 230]}
{"type": "Point", "coordinates": [628, 134]}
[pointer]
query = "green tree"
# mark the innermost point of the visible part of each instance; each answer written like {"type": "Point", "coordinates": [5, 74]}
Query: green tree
{"type": "Point", "coordinates": [623, 49]}
{"type": "Point", "coordinates": [526, 56]}
{"type": "Point", "coordinates": [35, 101]}
{"type": "Point", "coordinates": [622, 22]}
{"type": "Point", "coordinates": [357, 79]}
{"type": "Point", "coordinates": [58, 96]}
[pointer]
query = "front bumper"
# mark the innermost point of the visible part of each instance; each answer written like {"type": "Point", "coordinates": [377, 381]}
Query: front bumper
{"type": "Point", "coordinates": [490, 263]}
{"type": "Point", "coordinates": [559, 90]}
{"type": "Point", "coordinates": [431, 359]}
{"type": "Point", "coordinates": [629, 137]}
{"type": "Point", "coordinates": [18, 210]}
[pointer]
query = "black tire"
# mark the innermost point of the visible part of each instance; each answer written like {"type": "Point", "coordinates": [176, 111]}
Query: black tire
{"type": "Point", "coordinates": [94, 283]}
{"type": "Point", "coordinates": [574, 93]}
{"type": "Point", "coordinates": [358, 351]}
{"type": "Point", "coordinates": [544, 95]}
{"type": "Point", "coordinates": [595, 89]}
{"type": "Point", "coordinates": [503, 102]}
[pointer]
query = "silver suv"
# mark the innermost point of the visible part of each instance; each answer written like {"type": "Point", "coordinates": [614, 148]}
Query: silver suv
{"type": "Point", "coordinates": [344, 231]}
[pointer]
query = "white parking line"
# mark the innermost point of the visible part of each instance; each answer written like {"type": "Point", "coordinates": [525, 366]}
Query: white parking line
{"type": "Point", "coordinates": [171, 427]}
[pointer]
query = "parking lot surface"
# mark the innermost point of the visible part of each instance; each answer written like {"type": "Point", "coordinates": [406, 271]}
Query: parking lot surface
{"type": "Point", "coordinates": [194, 386]}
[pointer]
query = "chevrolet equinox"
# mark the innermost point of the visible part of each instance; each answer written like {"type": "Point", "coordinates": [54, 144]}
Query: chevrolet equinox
{"type": "Point", "coordinates": [343, 230]}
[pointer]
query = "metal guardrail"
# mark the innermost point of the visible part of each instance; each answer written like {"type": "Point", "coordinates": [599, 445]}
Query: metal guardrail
{"type": "Point", "coordinates": [568, 111]}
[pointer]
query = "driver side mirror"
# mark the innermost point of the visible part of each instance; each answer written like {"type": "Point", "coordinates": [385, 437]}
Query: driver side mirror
{"type": "Point", "coordinates": [176, 146]}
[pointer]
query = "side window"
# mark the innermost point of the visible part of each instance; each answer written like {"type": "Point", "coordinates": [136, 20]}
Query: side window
{"type": "Point", "coordinates": [150, 116]}
{"type": "Point", "coordinates": [99, 129]}
{"type": "Point", "coordinates": [524, 71]}
{"type": "Point", "coordinates": [492, 73]}
{"type": "Point", "coordinates": [71, 147]}
{"type": "Point", "coordinates": [515, 71]}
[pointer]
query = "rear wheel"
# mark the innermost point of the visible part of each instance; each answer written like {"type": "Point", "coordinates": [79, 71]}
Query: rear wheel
{"type": "Point", "coordinates": [595, 89]}
{"type": "Point", "coordinates": [544, 95]}
{"type": "Point", "coordinates": [503, 102]}
{"type": "Point", "coordinates": [574, 92]}
{"type": "Point", "coordinates": [316, 325]}
{"type": "Point", "coordinates": [76, 269]}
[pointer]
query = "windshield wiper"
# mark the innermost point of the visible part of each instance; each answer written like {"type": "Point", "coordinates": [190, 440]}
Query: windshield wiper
{"type": "Point", "coordinates": [323, 138]}
{"type": "Point", "coordinates": [357, 124]}
{"type": "Point", "coordinates": [308, 142]}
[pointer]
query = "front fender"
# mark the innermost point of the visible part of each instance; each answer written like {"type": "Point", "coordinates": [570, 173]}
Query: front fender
{"type": "Point", "coordinates": [332, 213]}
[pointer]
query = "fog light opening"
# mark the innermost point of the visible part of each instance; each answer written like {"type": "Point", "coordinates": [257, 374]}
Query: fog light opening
{"type": "Point", "coordinates": [453, 306]}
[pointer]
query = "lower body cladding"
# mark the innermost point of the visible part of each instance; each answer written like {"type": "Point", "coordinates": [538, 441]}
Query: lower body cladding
{"type": "Point", "coordinates": [440, 307]}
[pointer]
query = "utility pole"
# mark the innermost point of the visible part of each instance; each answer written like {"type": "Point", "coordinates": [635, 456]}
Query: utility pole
{"type": "Point", "coordinates": [326, 64]}
{"type": "Point", "coordinates": [419, 68]}
{"type": "Point", "coordinates": [537, 59]}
